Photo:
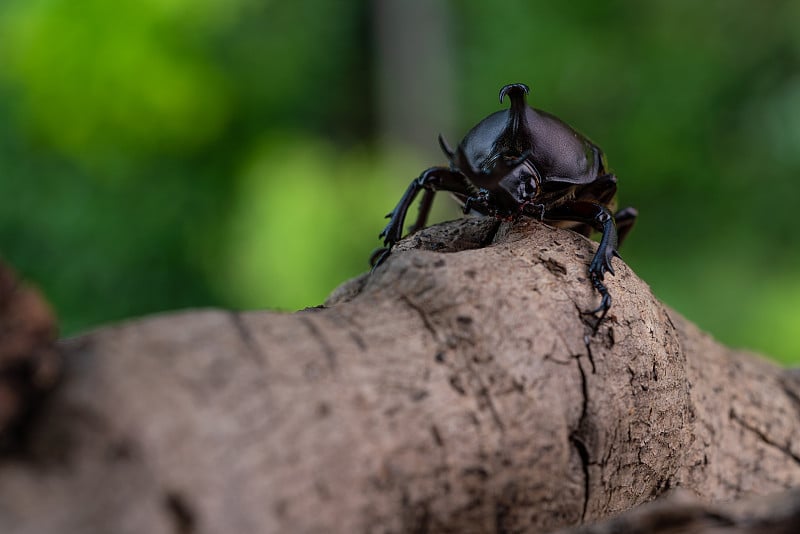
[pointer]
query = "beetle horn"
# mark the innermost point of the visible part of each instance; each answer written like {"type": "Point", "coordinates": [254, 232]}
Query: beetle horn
{"type": "Point", "coordinates": [515, 136]}
{"type": "Point", "coordinates": [514, 91]}
{"type": "Point", "coordinates": [446, 148]}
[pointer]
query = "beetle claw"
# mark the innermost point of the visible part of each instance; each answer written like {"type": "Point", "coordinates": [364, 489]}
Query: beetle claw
{"type": "Point", "coordinates": [598, 267]}
{"type": "Point", "coordinates": [389, 235]}
{"type": "Point", "coordinates": [607, 268]}
{"type": "Point", "coordinates": [605, 305]}
{"type": "Point", "coordinates": [605, 302]}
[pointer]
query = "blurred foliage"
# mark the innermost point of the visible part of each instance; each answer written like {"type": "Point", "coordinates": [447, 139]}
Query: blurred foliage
{"type": "Point", "coordinates": [157, 154]}
{"type": "Point", "coordinates": [320, 195]}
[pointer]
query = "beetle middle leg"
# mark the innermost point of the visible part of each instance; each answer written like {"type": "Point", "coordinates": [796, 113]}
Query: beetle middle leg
{"type": "Point", "coordinates": [601, 219]}
{"type": "Point", "coordinates": [602, 191]}
{"type": "Point", "coordinates": [425, 205]}
{"type": "Point", "coordinates": [430, 181]}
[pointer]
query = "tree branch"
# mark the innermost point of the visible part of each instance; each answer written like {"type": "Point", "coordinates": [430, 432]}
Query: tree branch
{"type": "Point", "coordinates": [457, 388]}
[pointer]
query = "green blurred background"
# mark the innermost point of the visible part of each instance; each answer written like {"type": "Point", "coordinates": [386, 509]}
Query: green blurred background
{"type": "Point", "coordinates": [161, 154]}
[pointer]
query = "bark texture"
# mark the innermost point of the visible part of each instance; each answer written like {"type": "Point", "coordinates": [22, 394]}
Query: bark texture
{"type": "Point", "coordinates": [458, 388]}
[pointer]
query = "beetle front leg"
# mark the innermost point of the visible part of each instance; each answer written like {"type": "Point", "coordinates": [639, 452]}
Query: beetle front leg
{"type": "Point", "coordinates": [431, 180]}
{"type": "Point", "coordinates": [599, 218]}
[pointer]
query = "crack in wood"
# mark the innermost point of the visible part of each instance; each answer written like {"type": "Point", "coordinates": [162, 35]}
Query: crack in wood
{"type": "Point", "coordinates": [253, 348]}
{"type": "Point", "coordinates": [577, 441]}
{"type": "Point", "coordinates": [763, 436]}
{"type": "Point", "coordinates": [327, 349]}
{"type": "Point", "coordinates": [182, 515]}
{"type": "Point", "coordinates": [340, 319]}
{"type": "Point", "coordinates": [583, 453]}
{"type": "Point", "coordinates": [422, 315]}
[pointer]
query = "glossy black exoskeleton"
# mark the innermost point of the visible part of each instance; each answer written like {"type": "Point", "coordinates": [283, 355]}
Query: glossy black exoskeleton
{"type": "Point", "coordinates": [525, 162]}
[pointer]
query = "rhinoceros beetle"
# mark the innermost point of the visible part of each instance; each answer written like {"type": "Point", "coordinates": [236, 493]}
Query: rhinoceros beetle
{"type": "Point", "coordinates": [525, 162]}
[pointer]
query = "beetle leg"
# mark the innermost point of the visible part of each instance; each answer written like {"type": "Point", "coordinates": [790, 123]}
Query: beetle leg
{"type": "Point", "coordinates": [601, 191]}
{"type": "Point", "coordinates": [533, 210]}
{"type": "Point", "coordinates": [425, 204]}
{"type": "Point", "coordinates": [599, 218]}
{"type": "Point", "coordinates": [431, 180]}
{"type": "Point", "coordinates": [479, 202]}
{"type": "Point", "coordinates": [625, 219]}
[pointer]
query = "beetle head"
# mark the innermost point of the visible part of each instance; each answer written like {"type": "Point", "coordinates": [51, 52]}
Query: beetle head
{"type": "Point", "coordinates": [518, 184]}
{"type": "Point", "coordinates": [495, 154]}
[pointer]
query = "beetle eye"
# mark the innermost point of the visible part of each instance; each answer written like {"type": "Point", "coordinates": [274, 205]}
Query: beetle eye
{"type": "Point", "coordinates": [530, 187]}
{"type": "Point", "coordinates": [525, 189]}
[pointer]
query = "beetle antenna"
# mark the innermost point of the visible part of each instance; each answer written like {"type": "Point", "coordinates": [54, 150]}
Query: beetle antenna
{"type": "Point", "coordinates": [446, 148]}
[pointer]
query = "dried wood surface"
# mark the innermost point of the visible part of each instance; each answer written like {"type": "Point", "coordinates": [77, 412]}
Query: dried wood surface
{"type": "Point", "coordinates": [457, 388]}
